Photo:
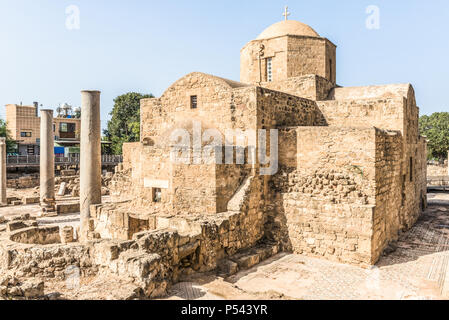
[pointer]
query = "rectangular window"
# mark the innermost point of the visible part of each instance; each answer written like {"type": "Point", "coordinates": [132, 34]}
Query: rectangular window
{"type": "Point", "coordinates": [25, 134]}
{"type": "Point", "coordinates": [411, 169]}
{"type": "Point", "coordinates": [66, 127]}
{"type": "Point", "coordinates": [269, 69]}
{"type": "Point", "coordinates": [193, 102]}
{"type": "Point", "coordinates": [157, 194]}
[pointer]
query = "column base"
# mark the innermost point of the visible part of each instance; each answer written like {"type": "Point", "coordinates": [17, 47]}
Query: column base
{"type": "Point", "coordinates": [48, 208]}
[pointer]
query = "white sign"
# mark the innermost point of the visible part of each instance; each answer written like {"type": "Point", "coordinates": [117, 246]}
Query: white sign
{"type": "Point", "coordinates": [151, 183]}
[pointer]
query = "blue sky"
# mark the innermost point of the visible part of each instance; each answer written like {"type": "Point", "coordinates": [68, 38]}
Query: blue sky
{"type": "Point", "coordinates": [144, 46]}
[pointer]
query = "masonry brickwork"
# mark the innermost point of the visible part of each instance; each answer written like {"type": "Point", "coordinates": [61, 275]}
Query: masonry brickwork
{"type": "Point", "coordinates": [352, 169]}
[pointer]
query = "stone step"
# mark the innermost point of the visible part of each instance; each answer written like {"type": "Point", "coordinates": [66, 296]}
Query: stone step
{"type": "Point", "coordinates": [246, 259]}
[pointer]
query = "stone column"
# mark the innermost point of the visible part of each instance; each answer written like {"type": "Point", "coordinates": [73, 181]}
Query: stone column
{"type": "Point", "coordinates": [90, 162]}
{"type": "Point", "coordinates": [3, 199]}
{"type": "Point", "coordinates": [47, 162]}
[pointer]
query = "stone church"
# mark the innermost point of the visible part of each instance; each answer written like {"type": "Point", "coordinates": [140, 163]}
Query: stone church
{"type": "Point", "coordinates": [351, 166]}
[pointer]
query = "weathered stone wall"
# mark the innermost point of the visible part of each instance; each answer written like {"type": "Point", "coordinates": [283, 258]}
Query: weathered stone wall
{"type": "Point", "coordinates": [434, 170]}
{"type": "Point", "coordinates": [29, 181]}
{"type": "Point", "coordinates": [391, 107]}
{"type": "Point", "coordinates": [307, 55]}
{"type": "Point", "coordinates": [311, 87]}
{"type": "Point", "coordinates": [388, 220]}
{"type": "Point", "coordinates": [186, 188]}
{"type": "Point", "coordinates": [179, 245]}
{"type": "Point", "coordinates": [340, 193]}
{"type": "Point", "coordinates": [279, 109]}
{"type": "Point", "coordinates": [324, 195]}
{"type": "Point", "coordinates": [46, 261]}
{"type": "Point", "coordinates": [221, 105]}
{"type": "Point", "coordinates": [383, 113]}
{"type": "Point", "coordinates": [292, 56]}
{"type": "Point", "coordinates": [276, 49]}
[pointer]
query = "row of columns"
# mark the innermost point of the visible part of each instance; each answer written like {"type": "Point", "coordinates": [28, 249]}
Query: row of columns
{"type": "Point", "coordinates": [90, 161]}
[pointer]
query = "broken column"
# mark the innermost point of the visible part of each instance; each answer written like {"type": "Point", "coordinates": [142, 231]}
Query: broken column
{"type": "Point", "coordinates": [47, 162]}
{"type": "Point", "coordinates": [90, 162]}
{"type": "Point", "coordinates": [3, 199]}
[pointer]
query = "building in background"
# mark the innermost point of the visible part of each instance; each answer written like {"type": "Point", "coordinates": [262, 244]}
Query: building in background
{"type": "Point", "coordinates": [23, 122]}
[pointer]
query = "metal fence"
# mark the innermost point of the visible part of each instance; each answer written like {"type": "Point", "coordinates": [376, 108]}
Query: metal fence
{"type": "Point", "coordinates": [74, 159]}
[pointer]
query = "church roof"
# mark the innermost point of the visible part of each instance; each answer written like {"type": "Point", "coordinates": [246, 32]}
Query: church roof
{"type": "Point", "coordinates": [287, 27]}
{"type": "Point", "coordinates": [370, 92]}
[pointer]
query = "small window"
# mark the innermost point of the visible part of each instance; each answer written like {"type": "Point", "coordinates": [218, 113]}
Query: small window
{"type": "Point", "coordinates": [193, 102]}
{"type": "Point", "coordinates": [269, 69]}
{"type": "Point", "coordinates": [63, 127]}
{"type": "Point", "coordinates": [25, 134]}
{"type": "Point", "coordinates": [411, 169]}
{"type": "Point", "coordinates": [331, 68]}
{"type": "Point", "coordinates": [157, 194]}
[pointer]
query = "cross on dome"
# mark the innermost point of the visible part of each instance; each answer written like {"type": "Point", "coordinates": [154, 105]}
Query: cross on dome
{"type": "Point", "coordinates": [286, 13]}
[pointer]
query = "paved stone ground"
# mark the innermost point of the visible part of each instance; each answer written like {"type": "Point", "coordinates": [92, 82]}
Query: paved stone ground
{"type": "Point", "coordinates": [416, 268]}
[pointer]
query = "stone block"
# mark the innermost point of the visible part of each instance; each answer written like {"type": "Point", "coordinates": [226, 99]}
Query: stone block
{"type": "Point", "coordinates": [31, 200]}
{"type": "Point", "coordinates": [63, 208]}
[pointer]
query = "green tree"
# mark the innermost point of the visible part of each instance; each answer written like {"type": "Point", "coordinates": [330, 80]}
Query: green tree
{"type": "Point", "coordinates": [436, 129]}
{"type": "Point", "coordinates": [124, 125]}
{"type": "Point", "coordinates": [4, 133]}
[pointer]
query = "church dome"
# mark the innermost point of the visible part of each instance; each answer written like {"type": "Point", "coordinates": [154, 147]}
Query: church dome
{"type": "Point", "coordinates": [287, 27]}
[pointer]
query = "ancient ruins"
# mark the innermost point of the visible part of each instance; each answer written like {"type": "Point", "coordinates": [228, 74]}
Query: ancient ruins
{"type": "Point", "coordinates": [346, 175]}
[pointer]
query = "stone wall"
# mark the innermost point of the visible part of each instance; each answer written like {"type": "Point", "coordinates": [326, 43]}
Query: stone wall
{"type": "Point", "coordinates": [311, 87]}
{"type": "Point", "coordinates": [324, 195]}
{"type": "Point", "coordinates": [388, 219]}
{"type": "Point", "coordinates": [45, 261]}
{"type": "Point", "coordinates": [339, 192]}
{"type": "Point", "coordinates": [279, 109]}
{"type": "Point", "coordinates": [291, 56]}
{"type": "Point", "coordinates": [25, 182]}
{"type": "Point", "coordinates": [221, 105]}
{"type": "Point", "coordinates": [383, 113]}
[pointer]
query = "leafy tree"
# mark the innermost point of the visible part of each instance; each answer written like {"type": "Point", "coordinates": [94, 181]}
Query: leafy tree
{"type": "Point", "coordinates": [4, 133]}
{"type": "Point", "coordinates": [124, 125]}
{"type": "Point", "coordinates": [436, 129]}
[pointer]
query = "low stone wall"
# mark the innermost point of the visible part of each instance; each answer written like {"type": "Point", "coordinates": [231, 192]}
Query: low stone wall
{"type": "Point", "coordinates": [45, 261]}
{"type": "Point", "coordinates": [68, 208]}
{"type": "Point", "coordinates": [434, 170]}
{"type": "Point", "coordinates": [36, 235]}
{"type": "Point", "coordinates": [25, 182]}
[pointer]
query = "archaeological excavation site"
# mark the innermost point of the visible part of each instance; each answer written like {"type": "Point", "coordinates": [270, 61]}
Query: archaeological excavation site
{"type": "Point", "coordinates": [333, 174]}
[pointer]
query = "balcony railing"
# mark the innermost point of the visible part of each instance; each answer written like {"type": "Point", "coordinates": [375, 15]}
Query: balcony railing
{"type": "Point", "coordinates": [35, 160]}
